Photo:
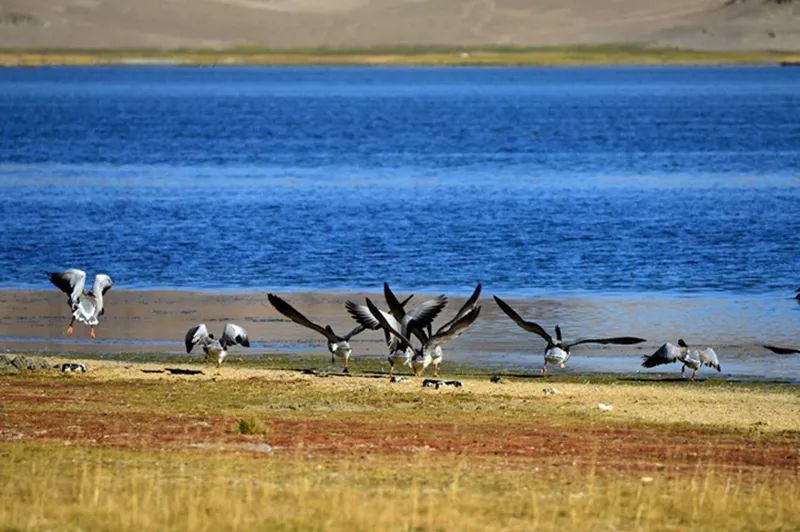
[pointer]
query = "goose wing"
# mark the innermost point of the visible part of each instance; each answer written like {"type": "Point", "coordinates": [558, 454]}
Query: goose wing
{"type": "Point", "coordinates": [781, 350]}
{"type": "Point", "coordinates": [709, 358]}
{"type": "Point", "coordinates": [364, 317]}
{"type": "Point", "coordinates": [232, 335]}
{"type": "Point", "coordinates": [527, 325]}
{"type": "Point", "coordinates": [293, 314]}
{"type": "Point", "coordinates": [386, 325]}
{"type": "Point", "coordinates": [354, 332]}
{"type": "Point", "coordinates": [456, 329]}
{"type": "Point", "coordinates": [71, 282]}
{"type": "Point", "coordinates": [621, 340]}
{"type": "Point", "coordinates": [196, 335]}
{"type": "Point", "coordinates": [395, 306]}
{"type": "Point", "coordinates": [102, 284]}
{"type": "Point", "coordinates": [422, 315]}
{"type": "Point", "coordinates": [666, 354]}
{"type": "Point", "coordinates": [468, 305]}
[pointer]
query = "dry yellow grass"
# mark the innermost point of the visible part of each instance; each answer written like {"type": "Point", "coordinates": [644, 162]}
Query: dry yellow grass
{"type": "Point", "coordinates": [46, 488]}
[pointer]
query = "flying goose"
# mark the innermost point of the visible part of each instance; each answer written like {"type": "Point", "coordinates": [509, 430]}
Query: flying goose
{"type": "Point", "coordinates": [558, 351]}
{"type": "Point", "coordinates": [423, 356]}
{"type": "Point", "coordinates": [339, 346]}
{"type": "Point", "coordinates": [86, 305]}
{"type": "Point", "coordinates": [694, 358]}
{"type": "Point", "coordinates": [782, 350]}
{"type": "Point", "coordinates": [414, 322]}
{"type": "Point", "coordinates": [232, 334]}
{"type": "Point", "coordinates": [417, 319]}
{"type": "Point", "coordinates": [469, 304]}
{"type": "Point", "coordinates": [363, 316]}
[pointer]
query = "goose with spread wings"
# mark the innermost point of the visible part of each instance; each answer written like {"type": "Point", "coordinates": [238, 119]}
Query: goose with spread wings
{"type": "Point", "coordinates": [232, 334]}
{"type": "Point", "coordinates": [414, 321]}
{"type": "Point", "coordinates": [692, 358]}
{"type": "Point", "coordinates": [423, 356]}
{"type": "Point", "coordinates": [558, 351]}
{"type": "Point", "coordinates": [437, 356]}
{"type": "Point", "coordinates": [87, 305]}
{"type": "Point", "coordinates": [417, 319]}
{"type": "Point", "coordinates": [363, 316]}
{"type": "Point", "coordinates": [338, 346]}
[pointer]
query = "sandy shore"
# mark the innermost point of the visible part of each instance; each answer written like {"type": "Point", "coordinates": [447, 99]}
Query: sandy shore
{"type": "Point", "coordinates": [156, 322]}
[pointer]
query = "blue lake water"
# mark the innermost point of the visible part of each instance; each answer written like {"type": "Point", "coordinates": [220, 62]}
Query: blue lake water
{"type": "Point", "coordinates": [532, 180]}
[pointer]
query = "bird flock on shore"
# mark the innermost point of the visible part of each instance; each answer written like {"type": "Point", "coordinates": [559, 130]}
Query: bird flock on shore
{"type": "Point", "coordinates": [409, 335]}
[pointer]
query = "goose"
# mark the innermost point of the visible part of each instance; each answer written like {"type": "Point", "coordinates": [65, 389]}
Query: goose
{"type": "Point", "coordinates": [412, 322]}
{"type": "Point", "coordinates": [86, 305]}
{"type": "Point", "coordinates": [797, 294]}
{"type": "Point", "coordinates": [362, 316]}
{"type": "Point", "coordinates": [419, 318]}
{"type": "Point", "coordinates": [338, 346]}
{"type": "Point", "coordinates": [694, 358]}
{"type": "Point", "coordinates": [469, 304]}
{"type": "Point", "coordinates": [232, 334]}
{"type": "Point", "coordinates": [782, 350]}
{"type": "Point", "coordinates": [423, 356]}
{"type": "Point", "coordinates": [558, 351]}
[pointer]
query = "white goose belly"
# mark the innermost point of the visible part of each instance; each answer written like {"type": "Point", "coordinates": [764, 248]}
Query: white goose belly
{"type": "Point", "coordinates": [436, 355]}
{"type": "Point", "coordinates": [556, 355]}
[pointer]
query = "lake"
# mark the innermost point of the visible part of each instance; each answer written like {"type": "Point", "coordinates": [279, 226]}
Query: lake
{"type": "Point", "coordinates": [634, 182]}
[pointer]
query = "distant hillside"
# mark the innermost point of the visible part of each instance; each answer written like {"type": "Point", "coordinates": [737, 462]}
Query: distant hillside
{"type": "Point", "coordinates": [217, 24]}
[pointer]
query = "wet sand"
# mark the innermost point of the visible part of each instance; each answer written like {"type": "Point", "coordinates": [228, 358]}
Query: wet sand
{"type": "Point", "coordinates": [156, 322]}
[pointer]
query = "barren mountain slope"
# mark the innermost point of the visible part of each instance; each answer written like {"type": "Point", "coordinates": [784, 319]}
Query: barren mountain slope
{"type": "Point", "coordinates": [706, 24]}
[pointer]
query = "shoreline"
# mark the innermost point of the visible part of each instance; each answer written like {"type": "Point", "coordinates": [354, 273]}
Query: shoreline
{"type": "Point", "coordinates": [599, 55]}
{"type": "Point", "coordinates": [153, 323]}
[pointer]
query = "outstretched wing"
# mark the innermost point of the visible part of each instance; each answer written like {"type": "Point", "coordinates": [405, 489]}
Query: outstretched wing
{"type": "Point", "coordinates": [102, 284]}
{"type": "Point", "coordinates": [293, 314]}
{"type": "Point", "coordinates": [709, 358]}
{"type": "Point", "coordinates": [357, 330]}
{"type": "Point", "coordinates": [666, 354]}
{"type": "Point", "coordinates": [422, 315]}
{"type": "Point", "coordinates": [621, 340]}
{"type": "Point", "coordinates": [395, 306]}
{"type": "Point", "coordinates": [71, 282]}
{"type": "Point", "coordinates": [467, 307]}
{"type": "Point", "coordinates": [195, 335]}
{"type": "Point", "coordinates": [233, 334]}
{"type": "Point", "coordinates": [364, 317]}
{"type": "Point", "coordinates": [385, 324]}
{"type": "Point", "coordinates": [456, 329]}
{"type": "Point", "coordinates": [527, 325]}
{"type": "Point", "coordinates": [782, 350]}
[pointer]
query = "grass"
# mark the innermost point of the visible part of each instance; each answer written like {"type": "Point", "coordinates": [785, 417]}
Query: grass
{"type": "Point", "coordinates": [256, 448]}
{"type": "Point", "coordinates": [251, 426]}
{"type": "Point", "coordinates": [607, 54]}
{"type": "Point", "coordinates": [46, 487]}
